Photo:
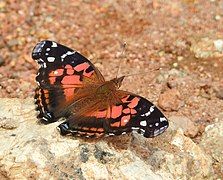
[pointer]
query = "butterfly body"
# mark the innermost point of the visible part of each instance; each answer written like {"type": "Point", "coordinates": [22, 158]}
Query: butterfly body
{"type": "Point", "coordinates": [70, 86]}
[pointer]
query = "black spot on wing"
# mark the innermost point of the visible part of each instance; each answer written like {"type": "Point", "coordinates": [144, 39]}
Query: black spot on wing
{"type": "Point", "coordinates": [130, 98]}
{"type": "Point", "coordinates": [89, 69]}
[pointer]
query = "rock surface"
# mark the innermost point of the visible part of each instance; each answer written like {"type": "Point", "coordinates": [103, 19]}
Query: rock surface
{"type": "Point", "coordinates": [31, 150]}
{"type": "Point", "coordinates": [188, 127]}
{"type": "Point", "coordinates": [212, 142]}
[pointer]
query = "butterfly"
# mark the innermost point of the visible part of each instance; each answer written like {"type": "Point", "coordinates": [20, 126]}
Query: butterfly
{"type": "Point", "coordinates": [70, 86]}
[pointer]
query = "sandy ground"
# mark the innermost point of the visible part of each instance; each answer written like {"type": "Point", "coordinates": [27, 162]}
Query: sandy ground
{"type": "Point", "coordinates": [182, 38]}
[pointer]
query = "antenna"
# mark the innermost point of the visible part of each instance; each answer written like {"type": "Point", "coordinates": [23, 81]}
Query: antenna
{"type": "Point", "coordinates": [123, 48]}
{"type": "Point", "coordinates": [145, 72]}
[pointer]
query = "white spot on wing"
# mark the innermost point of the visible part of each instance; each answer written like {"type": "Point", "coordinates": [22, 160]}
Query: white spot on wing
{"type": "Point", "coordinates": [48, 114]}
{"type": "Point", "coordinates": [44, 65]}
{"type": "Point", "coordinates": [151, 109]}
{"type": "Point", "coordinates": [54, 44]}
{"type": "Point", "coordinates": [162, 128]}
{"type": "Point", "coordinates": [163, 119]}
{"type": "Point", "coordinates": [40, 60]}
{"type": "Point", "coordinates": [63, 56]}
{"type": "Point", "coordinates": [157, 124]}
{"type": "Point", "coordinates": [47, 49]}
{"type": "Point", "coordinates": [50, 59]}
{"type": "Point", "coordinates": [66, 54]}
{"type": "Point", "coordinates": [45, 119]}
{"type": "Point", "coordinates": [135, 128]}
{"type": "Point", "coordinates": [66, 126]}
{"type": "Point", "coordinates": [69, 53]}
{"type": "Point", "coordinates": [157, 132]}
{"type": "Point", "coordinates": [73, 131]}
{"type": "Point", "coordinates": [143, 123]}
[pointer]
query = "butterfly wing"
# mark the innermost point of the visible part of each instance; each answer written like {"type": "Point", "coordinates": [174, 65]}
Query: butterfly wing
{"type": "Point", "coordinates": [62, 72]}
{"type": "Point", "coordinates": [131, 113]}
{"type": "Point", "coordinates": [138, 115]}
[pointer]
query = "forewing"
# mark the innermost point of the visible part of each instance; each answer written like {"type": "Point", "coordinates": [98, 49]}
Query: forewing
{"type": "Point", "coordinates": [62, 72]}
{"type": "Point", "coordinates": [131, 113]}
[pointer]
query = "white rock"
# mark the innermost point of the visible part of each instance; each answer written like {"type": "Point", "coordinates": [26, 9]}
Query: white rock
{"type": "Point", "coordinates": [138, 170]}
{"type": "Point", "coordinates": [218, 44]}
{"type": "Point", "coordinates": [212, 141]}
{"type": "Point", "coordinates": [95, 170]}
{"type": "Point", "coordinates": [217, 17]}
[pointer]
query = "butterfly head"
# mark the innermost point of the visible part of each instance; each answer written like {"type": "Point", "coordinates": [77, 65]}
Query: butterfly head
{"type": "Point", "coordinates": [118, 81]}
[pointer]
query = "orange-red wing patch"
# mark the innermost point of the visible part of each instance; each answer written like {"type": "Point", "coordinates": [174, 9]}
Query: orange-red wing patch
{"type": "Point", "coordinates": [88, 74]}
{"type": "Point", "coordinates": [68, 66]}
{"type": "Point", "coordinates": [52, 80]}
{"type": "Point", "coordinates": [133, 111]}
{"type": "Point", "coordinates": [70, 71]}
{"type": "Point", "coordinates": [116, 124]}
{"type": "Point", "coordinates": [124, 100]}
{"type": "Point", "coordinates": [69, 93]}
{"type": "Point", "coordinates": [74, 79]}
{"type": "Point", "coordinates": [93, 129]}
{"type": "Point", "coordinates": [101, 114]}
{"type": "Point", "coordinates": [100, 130]}
{"type": "Point", "coordinates": [125, 120]}
{"type": "Point", "coordinates": [126, 110]}
{"type": "Point", "coordinates": [134, 102]}
{"type": "Point", "coordinates": [46, 95]}
{"type": "Point", "coordinates": [116, 111]}
{"type": "Point", "coordinates": [81, 67]}
{"type": "Point", "coordinates": [85, 128]}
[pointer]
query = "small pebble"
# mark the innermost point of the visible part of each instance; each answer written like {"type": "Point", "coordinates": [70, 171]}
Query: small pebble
{"type": "Point", "coordinates": [217, 17]}
{"type": "Point", "coordinates": [180, 58]}
{"type": "Point", "coordinates": [8, 123]}
{"type": "Point", "coordinates": [218, 44]}
{"type": "Point", "coordinates": [219, 93]}
{"type": "Point", "coordinates": [175, 64]}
